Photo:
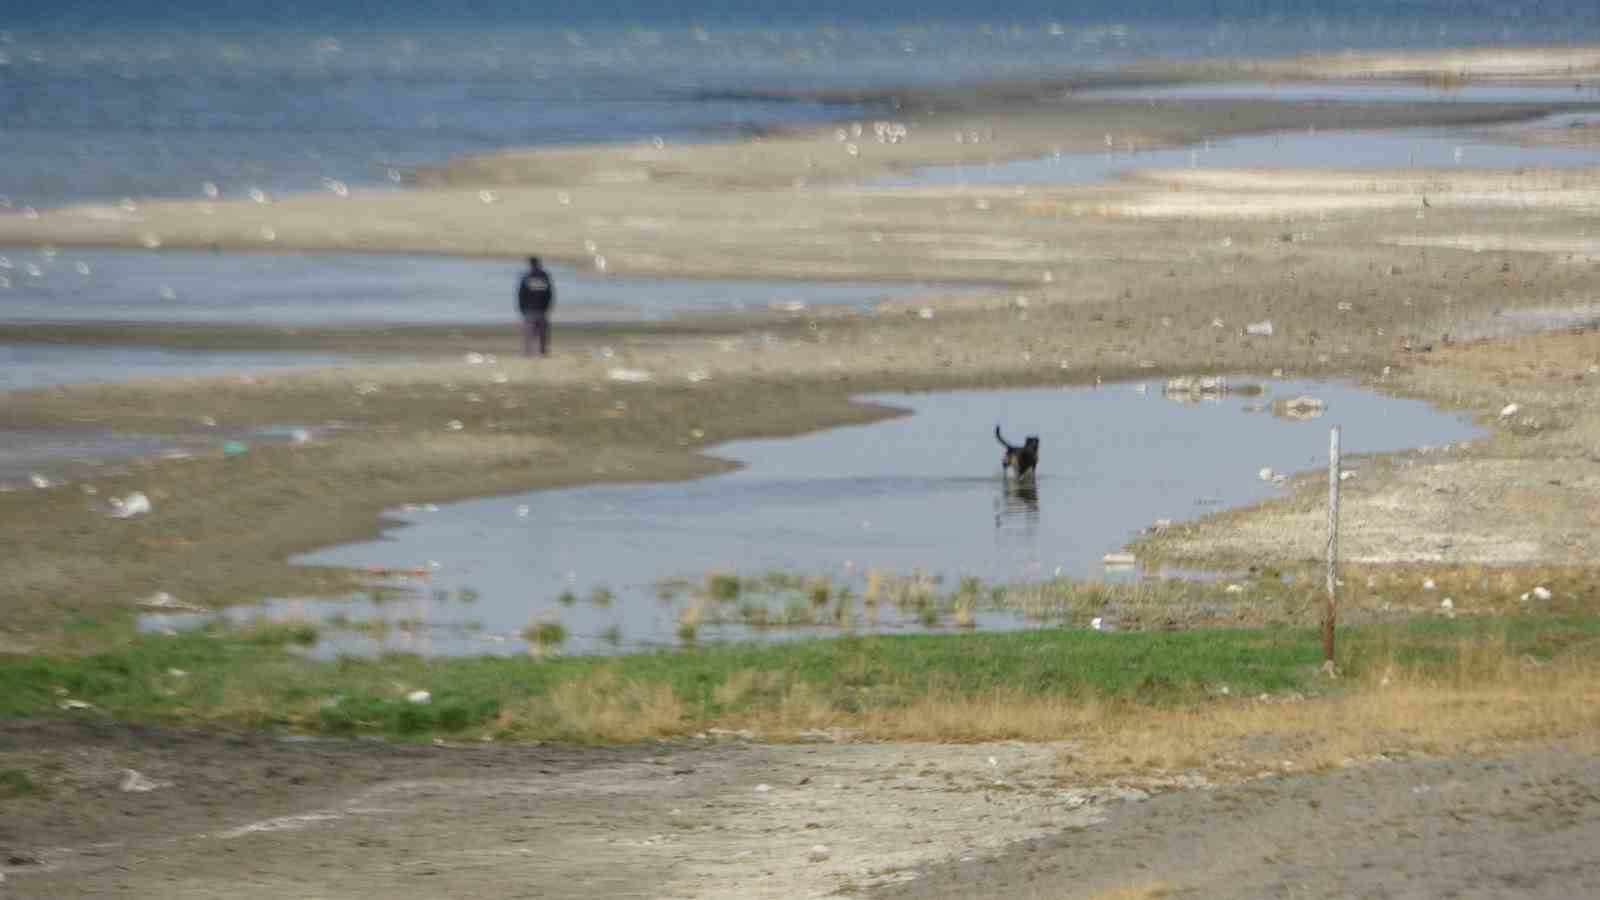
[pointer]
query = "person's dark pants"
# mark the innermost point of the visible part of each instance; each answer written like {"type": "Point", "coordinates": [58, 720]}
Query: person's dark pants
{"type": "Point", "coordinates": [536, 324]}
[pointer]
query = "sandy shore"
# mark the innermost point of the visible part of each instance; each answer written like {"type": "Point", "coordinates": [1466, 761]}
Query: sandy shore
{"type": "Point", "coordinates": [1446, 286]}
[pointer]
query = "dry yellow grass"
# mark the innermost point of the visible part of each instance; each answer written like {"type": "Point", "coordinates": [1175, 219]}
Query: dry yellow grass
{"type": "Point", "coordinates": [1490, 698]}
{"type": "Point", "coordinates": [605, 707]}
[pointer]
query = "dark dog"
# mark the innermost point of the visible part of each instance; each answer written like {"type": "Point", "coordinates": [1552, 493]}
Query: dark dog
{"type": "Point", "coordinates": [1021, 460]}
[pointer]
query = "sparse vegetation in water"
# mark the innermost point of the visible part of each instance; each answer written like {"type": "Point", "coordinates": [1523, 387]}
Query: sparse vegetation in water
{"type": "Point", "coordinates": [928, 616]}
{"type": "Point", "coordinates": [375, 628]}
{"type": "Point", "coordinates": [277, 634]}
{"type": "Point", "coordinates": [545, 634]}
{"type": "Point", "coordinates": [467, 595]}
{"type": "Point", "coordinates": [755, 615]}
{"type": "Point", "coordinates": [566, 598]}
{"type": "Point", "coordinates": [410, 624]}
{"type": "Point", "coordinates": [723, 587]}
{"type": "Point", "coordinates": [670, 589]}
{"type": "Point", "coordinates": [965, 614]}
{"type": "Point", "coordinates": [612, 634]}
{"type": "Point", "coordinates": [819, 591]}
{"type": "Point", "coordinates": [844, 608]}
{"type": "Point", "coordinates": [798, 612]}
{"type": "Point", "coordinates": [601, 596]}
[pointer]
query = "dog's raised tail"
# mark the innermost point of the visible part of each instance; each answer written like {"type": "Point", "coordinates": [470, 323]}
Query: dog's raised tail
{"type": "Point", "coordinates": [1001, 439]}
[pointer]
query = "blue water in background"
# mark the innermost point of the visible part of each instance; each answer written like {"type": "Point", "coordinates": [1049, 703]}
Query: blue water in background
{"type": "Point", "coordinates": [101, 101]}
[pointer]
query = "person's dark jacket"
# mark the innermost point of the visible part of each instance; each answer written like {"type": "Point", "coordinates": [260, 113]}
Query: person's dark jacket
{"type": "Point", "coordinates": [537, 293]}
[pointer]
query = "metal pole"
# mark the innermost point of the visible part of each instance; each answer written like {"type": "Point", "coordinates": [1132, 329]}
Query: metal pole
{"type": "Point", "coordinates": [1333, 545]}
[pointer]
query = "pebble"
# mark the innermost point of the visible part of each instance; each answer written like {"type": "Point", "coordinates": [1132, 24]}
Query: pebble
{"type": "Point", "coordinates": [419, 697]}
{"type": "Point", "coordinates": [819, 853]}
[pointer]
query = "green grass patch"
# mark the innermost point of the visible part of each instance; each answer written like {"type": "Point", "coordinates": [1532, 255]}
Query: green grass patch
{"type": "Point", "coordinates": [240, 679]}
{"type": "Point", "coordinates": [16, 783]}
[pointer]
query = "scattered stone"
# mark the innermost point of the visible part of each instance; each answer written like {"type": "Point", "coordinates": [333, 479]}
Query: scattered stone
{"type": "Point", "coordinates": [419, 697]}
{"type": "Point", "coordinates": [1259, 329]}
{"type": "Point", "coordinates": [1509, 410]}
{"type": "Point", "coordinates": [1301, 407]}
{"type": "Point", "coordinates": [1119, 559]}
{"type": "Point", "coordinates": [628, 375]}
{"type": "Point", "coordinates": [1266, 474]}
{"type": "Point", "coordinates": [1190, 387]}
{"type": "Point", "coordinates": [75, 704]}
{"type": "Point", "coordinates": [1235, 589]}
{"type": "Point", "coordinates": [135, 783]}
{"type": "Point", "coordinates": [1541, 593]}
{"type": "Point", "coordinates": [1428, 584]}
{"type": "Point", "coordinates": [1447, 604]}
{"type": "Point", "coordinates": [135, 504]}
{"type": "Point", "coordinates": [763, 788]}
{"type": "Point", "coordinates": [818, 853]}
{"type": "Point", "coordinates": [925, 313]}
{"type": "Point", "coordinates": [165, 602]}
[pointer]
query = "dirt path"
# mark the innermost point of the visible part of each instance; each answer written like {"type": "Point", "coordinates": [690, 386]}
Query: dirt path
{"type": "Point", "coordinates": [236, 816]}
{"type": "Point", "coordinates": [256, 816]}
{"type": "Point", "coordinates": [1523, 825]}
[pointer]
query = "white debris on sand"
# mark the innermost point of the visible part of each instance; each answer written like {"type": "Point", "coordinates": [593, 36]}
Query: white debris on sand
{"type": "Point", "coordinates": [629, 375]}
{"type": "Point", "coordinates": [135, 504]}
{"type": "Point", "coordinates": [135, 783]}
{"type": "Point", "coordinates": [1259, 329]}
{"type": "Point", "coordinates": [1509, 410]}
{"type": "Point", "coordinates": [165, 602]}
{"type": "Point", "coordinates": [819, 853]}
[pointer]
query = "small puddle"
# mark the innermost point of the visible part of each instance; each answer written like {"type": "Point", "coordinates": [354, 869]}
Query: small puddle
{"type": "Point", "coordinates": [45, 365]}
{"type": "Point", "coordinates": [1369, 150]}
{"type": "Point", "coordinates": [37, 458]}
{"type": "Point", "coordinates": [345, 289]}
{"type": "Point", "coordinates": [617, 566]}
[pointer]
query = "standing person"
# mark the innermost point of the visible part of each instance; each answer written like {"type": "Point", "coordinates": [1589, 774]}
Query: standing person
{"type": "Point", "coordinates": [536, 293]}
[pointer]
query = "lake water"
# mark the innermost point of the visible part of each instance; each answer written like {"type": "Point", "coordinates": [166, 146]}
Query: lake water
{"type": "Point", "coordinates": [915, 494]}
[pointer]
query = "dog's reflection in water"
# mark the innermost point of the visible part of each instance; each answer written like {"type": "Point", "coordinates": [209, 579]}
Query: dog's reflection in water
{"type": "Point", "coordinates": [1018, 505]}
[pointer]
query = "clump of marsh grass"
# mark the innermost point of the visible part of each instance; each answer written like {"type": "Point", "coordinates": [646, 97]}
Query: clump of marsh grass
{"type": "Point", "coordinates": [723, 587]}
{"type": "Point", "coordinates": [545, 634]}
